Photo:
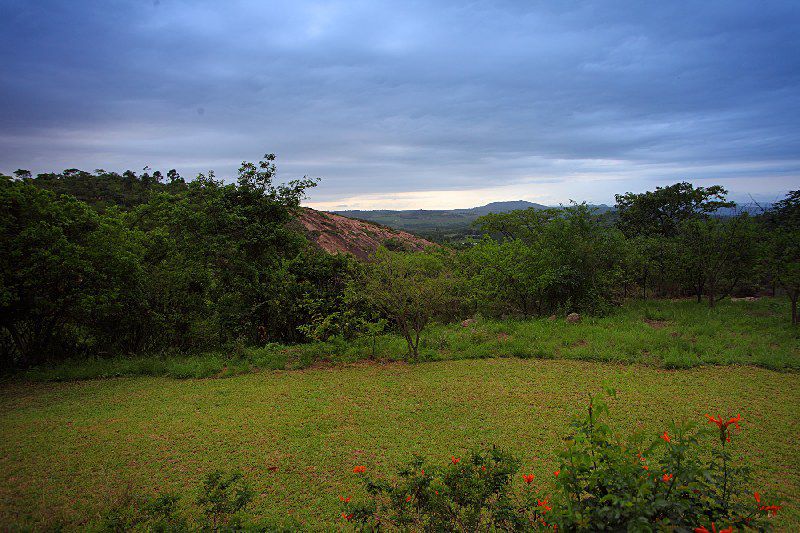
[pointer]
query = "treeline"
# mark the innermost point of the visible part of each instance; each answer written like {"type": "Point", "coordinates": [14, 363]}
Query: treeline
{"type": "Point", "coordinates": [108, 264]}
{"type": "Point", "coordinates": [192, 267]}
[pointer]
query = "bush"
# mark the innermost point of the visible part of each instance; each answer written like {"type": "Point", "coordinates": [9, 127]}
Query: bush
{"type": "Point", "coordinates": [223, 497]}
{"type": "Point", "coordinates": [667, 482]}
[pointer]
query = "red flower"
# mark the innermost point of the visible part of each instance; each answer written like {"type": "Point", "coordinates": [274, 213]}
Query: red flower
{"type": "Point", "coordinates": [666, 437]}
{"type": "Point", "coordinates": [645, 467]}
{"type": "Point", "coordinates": [359, 469]}
{"type": "Point", "coordinates": [528, 478]}
{"type": "Point", "coordinates": [666, 478]}
{"type": "Point", "coordinates": [702, 529]}
{"type": "Point", "coordinates": [408, 498]}
{"type": "Point", "coordinates": [455, 460]}
{"type": "Point", "coordinates": [556, 473]}
{"type": "Point", "coordinates": [724, 425]}
{"type": "Point", "coordinates": [483, 468]}
{"type": "Point", "coordinates": [543, 504]}
{"type": "Point", "coordinates": [422, 471]}
{"type": "Point", "coordinates": [772, 510]}
{"type": "Point", "coordinates": [345, 500]}
{"type": "Point", "coordinates": [347, 516]}
{"type": "Point", "coordinates": [758, 497]}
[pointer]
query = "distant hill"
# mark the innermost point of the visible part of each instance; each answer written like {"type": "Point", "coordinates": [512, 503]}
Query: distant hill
{"type": "Point", "coordinates": [439, 224]}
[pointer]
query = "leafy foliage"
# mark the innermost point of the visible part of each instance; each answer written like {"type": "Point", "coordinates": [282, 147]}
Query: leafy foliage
{"type": "Point", "coordinates": [667, 482]}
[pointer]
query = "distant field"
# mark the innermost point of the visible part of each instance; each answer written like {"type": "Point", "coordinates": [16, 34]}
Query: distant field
{"type": "Point", "coordinates": [662, 333]}
{"type": "Point", "coordinates": [67, 450]}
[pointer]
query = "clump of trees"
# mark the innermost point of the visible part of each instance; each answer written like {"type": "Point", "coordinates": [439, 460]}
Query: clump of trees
{"type": "Point", "coordinates": [193, 268]}
{"type": "Point", "coordinates": [108, 264]}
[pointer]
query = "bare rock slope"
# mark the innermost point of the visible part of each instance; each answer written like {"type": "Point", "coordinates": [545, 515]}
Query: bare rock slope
{"type": "Point", "coordinates": [338, 234]}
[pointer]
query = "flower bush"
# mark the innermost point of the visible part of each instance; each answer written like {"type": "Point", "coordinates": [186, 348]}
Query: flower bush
{"type": "Point", "coordinates": [688, 478]}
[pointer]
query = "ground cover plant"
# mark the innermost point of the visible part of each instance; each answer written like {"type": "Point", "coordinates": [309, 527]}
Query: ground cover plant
{"type": "Point", "coordinates": [660, 333]}
{"type": "Point", "coordinates": [69, 451]}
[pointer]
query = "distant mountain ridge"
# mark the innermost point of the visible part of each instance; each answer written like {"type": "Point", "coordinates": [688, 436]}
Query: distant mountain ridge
{"type": "Point", "coordinates": [440, 222]}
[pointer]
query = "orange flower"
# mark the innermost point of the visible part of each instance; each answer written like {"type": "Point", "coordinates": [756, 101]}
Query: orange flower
{"type": "Point", "coordinates": [645, 467]}
{"type": "Point", "coordinates": [360, 469]}
{"type": "Point", "coordinates": [345, 500]}
{"type": "Point", "coordinates": [483, 468]}
{"type": "Point", "coordinates": [666, 478]}
{"type": "Point", "coordinates": [735, 421]}
{"type": "Point", "coordinates": [528, 478]}
{"type": "Point", "coordinates": [455, 460]}
{"type": "Point", "coordinates": [556, 473]}
{"type": "Point", "coordinates": [408, 498]}
{"type": "Point", "coordinates": [347, 516]}
{"type": "Point", "coordinates": [666, 437]}
{"type": "Point", "coordinates": [757, 496]}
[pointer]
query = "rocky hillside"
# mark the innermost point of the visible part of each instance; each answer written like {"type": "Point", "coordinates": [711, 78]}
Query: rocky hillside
{"type": "Point", "coordinates": [338, 234]}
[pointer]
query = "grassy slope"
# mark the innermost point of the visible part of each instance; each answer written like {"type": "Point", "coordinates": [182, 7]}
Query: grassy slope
{"type": "Point", "coordinates": [66, 450]}
{"type": "Point", "coordinates": [663, 334]}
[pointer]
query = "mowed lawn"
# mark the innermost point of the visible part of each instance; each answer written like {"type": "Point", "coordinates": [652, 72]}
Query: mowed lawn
{"type": "Point", "coordinates": [69, 450]}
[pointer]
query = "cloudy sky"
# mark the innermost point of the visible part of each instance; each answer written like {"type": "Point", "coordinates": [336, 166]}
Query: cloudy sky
{"type": "Point", "coordinates": [433, 104]}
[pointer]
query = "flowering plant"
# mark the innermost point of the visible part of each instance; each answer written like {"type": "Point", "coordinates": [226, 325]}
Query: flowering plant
{"type": "Point", "coordinates": [666, 481]}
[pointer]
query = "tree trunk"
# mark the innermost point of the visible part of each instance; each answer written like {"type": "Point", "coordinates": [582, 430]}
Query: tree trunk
{"type": "Point", "coordinates": [794, 309]}
{"type": "Point", "coordinates": [711, 299]}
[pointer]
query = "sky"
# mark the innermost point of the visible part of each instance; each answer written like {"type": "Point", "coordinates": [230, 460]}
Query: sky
{"type": "Point", "coordinates": [403, 105]}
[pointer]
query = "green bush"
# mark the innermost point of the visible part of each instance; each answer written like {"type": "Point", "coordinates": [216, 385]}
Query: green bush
{"type": "Point", "coordinates": [672, 481]}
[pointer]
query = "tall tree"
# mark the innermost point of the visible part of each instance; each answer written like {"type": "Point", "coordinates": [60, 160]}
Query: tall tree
{"type": "Point", "coordinates": [662, 211]}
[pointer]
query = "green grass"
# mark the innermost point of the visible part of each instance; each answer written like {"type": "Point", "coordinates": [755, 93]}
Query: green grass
{"type": "Point", "coordinates": [69, 450]}
{"type": "Point", "coordinates": [665, 334]}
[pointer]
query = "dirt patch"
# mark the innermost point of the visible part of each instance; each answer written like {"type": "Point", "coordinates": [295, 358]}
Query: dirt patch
{"type": "Point", "coordinates": [503, 337]}
{"type": "Point", "coordinates": [582, 342]}
{"type": "Point", "coordinates": [657, 324]}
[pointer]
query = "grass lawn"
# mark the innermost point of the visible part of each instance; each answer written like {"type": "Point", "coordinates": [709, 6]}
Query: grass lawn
{"type": "Point", "coordinates": [68, 450]}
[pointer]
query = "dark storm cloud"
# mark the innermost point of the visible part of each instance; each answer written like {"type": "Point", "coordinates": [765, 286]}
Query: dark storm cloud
{"type": "Point", "coordinates": [393, 97]}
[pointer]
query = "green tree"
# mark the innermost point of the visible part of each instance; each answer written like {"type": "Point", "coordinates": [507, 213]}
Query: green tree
{"type": "Point", "coordinates": [783, 247]}
{"type": "Point", "coordinates": [506, 277]}
{"type": "Point", "coordinates": [69, 278]}
{"type": "Point", "coordinates": [410, 289]}
{"type": "Point", "coordinates": [662, 211]}
{"type": "Point", "coordinates": [718, 254]}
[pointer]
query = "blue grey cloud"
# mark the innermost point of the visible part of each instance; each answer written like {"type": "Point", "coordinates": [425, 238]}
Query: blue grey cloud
{"type": "Point", "coordinates": [393, 97]}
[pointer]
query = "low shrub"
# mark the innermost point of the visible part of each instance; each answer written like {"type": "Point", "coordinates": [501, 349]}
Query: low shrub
{"type": "Point", "coordinates": [671, 482]}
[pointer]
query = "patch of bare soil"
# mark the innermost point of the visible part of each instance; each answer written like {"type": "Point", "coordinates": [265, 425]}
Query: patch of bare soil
{"type": "Point", "coordinates": [657, 324]}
